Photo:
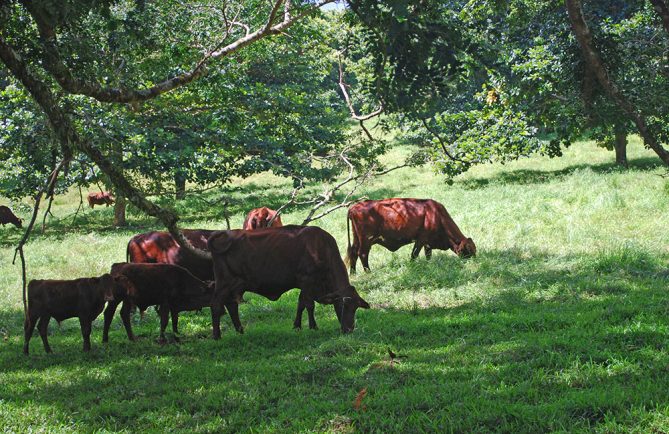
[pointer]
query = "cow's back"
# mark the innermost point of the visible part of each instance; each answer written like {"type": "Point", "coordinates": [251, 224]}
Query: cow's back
{"type": "Point", "coordinates": [161, 248]}
{"type": "Point", "coordinates": [272, 259]}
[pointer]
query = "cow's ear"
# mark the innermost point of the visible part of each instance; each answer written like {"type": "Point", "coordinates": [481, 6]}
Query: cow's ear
{"type": "Point", "coordinates": [219, 242]}
{"type": "Point", "coordinates": [362, 303]}
{"type": "Point", "coordinates": [126, 284]}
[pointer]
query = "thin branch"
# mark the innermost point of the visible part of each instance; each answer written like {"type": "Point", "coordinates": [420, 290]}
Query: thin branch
{"type": "Point", "coordinates": [49, 186]}
{"type": "Point", "coordinates": [442, 143]}
{"type": "Point", "coordinates": [347, 98]}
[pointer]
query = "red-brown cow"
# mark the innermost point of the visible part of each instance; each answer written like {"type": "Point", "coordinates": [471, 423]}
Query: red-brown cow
{"type": "Point", "coordinates": [270, 262]}
{"type": "Point", "coordinates": [161, 248]}
{"type": "Point", "coordinates": [259, 218]}
{"type": "Point", "coordinates": [102, 198]}
{"type": "Point", "coordinates": [83, 298]}
{"type": "Point", "coordinates": [7, 216]}
{"type": "Point", "coordinates": [394, 223]}
{"type": "Point", "coordinates": [170, 287]}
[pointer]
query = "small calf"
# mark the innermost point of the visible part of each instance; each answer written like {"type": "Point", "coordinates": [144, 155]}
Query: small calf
{"type": "Point", "coordinates": [7, 216]}
{"type": "Point", "coordinates": [62, 299]}
{"type": "Point", "coordinates": [170, 287]}
{"type": "Point", "coordinates": [102, 198]}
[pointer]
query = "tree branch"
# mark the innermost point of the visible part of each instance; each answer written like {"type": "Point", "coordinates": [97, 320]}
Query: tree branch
{"type": "Point", "coordinates": [441, 142]}
{"type": "Point", "coordinates": [66, 133]}
{"type": "Point", "coordinates": [54, 64]}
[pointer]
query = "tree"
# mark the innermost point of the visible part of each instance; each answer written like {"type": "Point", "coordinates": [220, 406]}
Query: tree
{"type": "Point", "coordinates": [62, 56]}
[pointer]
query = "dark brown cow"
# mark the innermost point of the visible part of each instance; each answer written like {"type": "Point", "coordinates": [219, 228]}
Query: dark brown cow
{"type": "Point", "coordinates": [270, 262]}
{"type": "Point", "coordinates": [7, 216]}
{"type": "Point", "coordinates": [170, 287]}
{"type": "Point", "coordinates": [161, 248]}
{"type": "Point", "coordinates": [61, 299]}
{"type": "Point", "coordinates": [259, 218]}
{"type": "Point", "coordinates": [394, 223]}
{"type": "Point", "coordinates": [102, 198]}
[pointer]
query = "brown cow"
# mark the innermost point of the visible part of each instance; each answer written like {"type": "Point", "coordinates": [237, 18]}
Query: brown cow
{"type": "Point", "coordinates": [102, 198]}
{"type": "Point", "coordinates": [161, 248]}
{"type": "Point", "coordinates": [170, 287]}
{"type": "Point", "coordinates": [7, 216]}
{"type": "Point", "coordinates": [259, 218]}
{"type": "Point", "coordinates": [270, 262]}
{"type": "Point", "coordinates": [394, 223]}
{"type": "Point", "coordinates": [83, 298]}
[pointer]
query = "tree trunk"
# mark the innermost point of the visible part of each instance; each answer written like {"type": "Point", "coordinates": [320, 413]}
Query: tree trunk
{"type": "Point", "coordinates": [119, 211]}
{"type": "Point", "coordinates": [180, 185]}
{"type": "Point", "coordinates": [594, 61]}
{"type": "Point", "coordinates": [620, 145]}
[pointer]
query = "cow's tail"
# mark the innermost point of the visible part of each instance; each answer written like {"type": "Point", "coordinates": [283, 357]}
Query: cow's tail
{"type": "Point", "coordinates": [127, 251]}
{"type": "Point", "coordinates": [347, 259]}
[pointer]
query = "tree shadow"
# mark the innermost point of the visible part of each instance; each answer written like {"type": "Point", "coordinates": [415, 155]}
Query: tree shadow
{"type": "Point", "coordinates": [528, 176]}
{"type": "Point", "coordinates": [571, 341]}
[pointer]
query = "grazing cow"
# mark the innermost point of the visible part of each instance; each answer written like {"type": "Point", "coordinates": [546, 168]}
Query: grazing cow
{"type": "Point", "coordinates": [102, 198]}
{"type": "Point", "coordinates": [270, 262]}
{"type": "Point", "coordinates": [7, 216]}
{"type": "Point", "coordinates": [170, 287]}
{"type": "Point", "coordinates": [394, 223]}
{"type": "Point", "coordinates": [259, 218]}
{"type": "Point", "coordinates": [161, 248]}
{"type": "Point", "coordinates": [83, 298]}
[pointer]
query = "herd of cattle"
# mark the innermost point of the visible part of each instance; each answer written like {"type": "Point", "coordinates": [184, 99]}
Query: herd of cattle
{"type": "Point", "coordinates": [264, 257]}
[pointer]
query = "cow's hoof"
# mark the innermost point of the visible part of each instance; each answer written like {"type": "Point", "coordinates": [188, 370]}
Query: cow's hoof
{"type": "Point", "coordinates": [162, 341]}
{"type": "Point", "coordinates": [297, 327]}
{"type": "Point", "coordinates": [177, 340]}
{"type": "Point", "coordinates": [240, 330]}
{"type": "Point", "coordinates": [314, 327]}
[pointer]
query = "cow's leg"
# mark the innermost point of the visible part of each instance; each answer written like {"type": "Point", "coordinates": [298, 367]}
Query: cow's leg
{"type": "Point", "coordinates": [85, 324]}
{"type": "Point", "coordinates": [42, 327]}
{"type": "Point", "coordinates": [305, 302]}
{"type": "Point", "coordinates": [352, 254]}
{"type": "Point", "coordinates": [364, 255]}
{"type": "Point", "coordinates": [233, 310]}
{"type": "Point", "coordinates": [216, 309]}
{"type": "Point", "coordinates": [109, 316]}
{"type": "Point", "coordinates": [125, 317]}
{"type": "Point", "coordinates": [297, 324]}
{"type": "Point", "coordinates": [416, 250]}
{"type": "Point", "coordinates": [164, 312]}
{"type": "Point", "coordinates": [428, 252]}
{"type": "Point", "coordinates": [310, 311]}
{"type": "Point", "coordinates": [28, 329]}
{"type": "Point", "coordinates": [175, 321]}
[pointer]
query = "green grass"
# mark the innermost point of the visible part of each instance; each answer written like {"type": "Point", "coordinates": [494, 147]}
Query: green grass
{"type": "Point", "coordinates": [559, 324]}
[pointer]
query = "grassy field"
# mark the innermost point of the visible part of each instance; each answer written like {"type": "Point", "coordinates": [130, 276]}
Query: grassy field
{"type": "Point", "coordinates": [559, 324]}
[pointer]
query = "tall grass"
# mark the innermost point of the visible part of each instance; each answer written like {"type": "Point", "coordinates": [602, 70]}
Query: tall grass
{"type": "Point", "coordinates": [559, 323]}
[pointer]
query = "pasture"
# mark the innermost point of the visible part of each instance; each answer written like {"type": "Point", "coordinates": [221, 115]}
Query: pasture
{"type": "Point", "coordinates": [559, 324]}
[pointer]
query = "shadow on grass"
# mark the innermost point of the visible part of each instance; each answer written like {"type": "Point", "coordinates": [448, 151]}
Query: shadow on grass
{"type": "Point", "coordinates": [528, 177]}
{"type": "Point", "coordinates": [569, 342]}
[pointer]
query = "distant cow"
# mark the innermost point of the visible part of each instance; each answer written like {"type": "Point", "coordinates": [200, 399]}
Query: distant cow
{"type": "Point", "coordinates": [270, 262]}
{"type": "Point", "coordinates": [394, 223]}
{"type": "Point", "coordinates": [61, 299]}
{"type": "Point", "coordinates": [160, 247]}
{"type": "Point", "coordinates": [102, 198]}
{"type": "Point", "coordinates": [7, 216]}
{"type": "Point", "coordinates": [259, 218]}
{"type": "Point", "coordinates": [172, 288]}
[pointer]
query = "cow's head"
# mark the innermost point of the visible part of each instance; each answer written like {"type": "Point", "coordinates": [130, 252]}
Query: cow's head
{"type": "Point", "coordinates": [18, 223]}
{"type": "Point", "coordinates": [106, 284]}
{"type": "Point", "coordinates": [123, 287]}
{"type": "Point", "coordinates": [345, 308]}
{"type": "Point", "coordinates": [465, 248]}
